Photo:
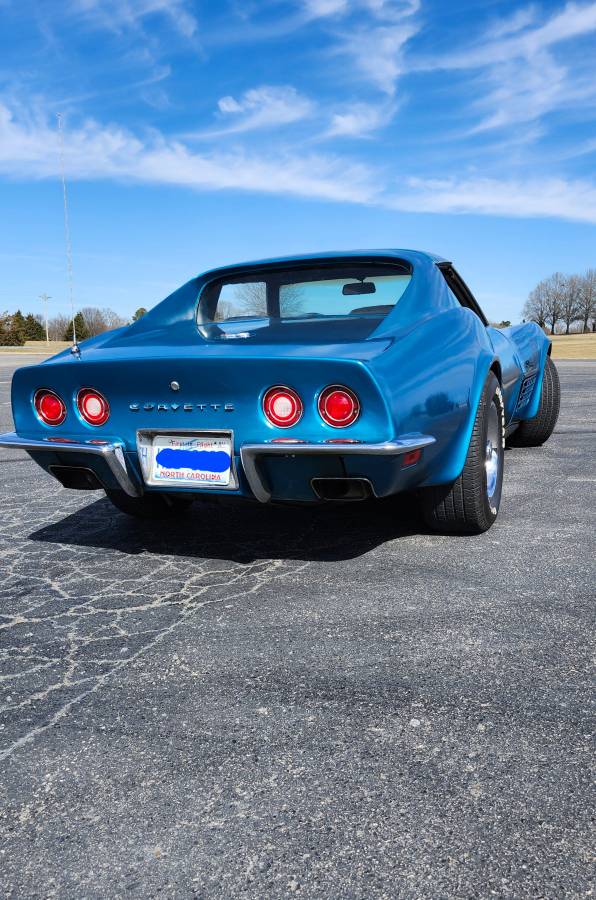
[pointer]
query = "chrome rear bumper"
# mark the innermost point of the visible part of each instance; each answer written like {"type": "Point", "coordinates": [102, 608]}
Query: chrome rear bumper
{"type": "Point", "coordinates": [250, 453]}
{"type": "Point", "coordinates": [111, 453]}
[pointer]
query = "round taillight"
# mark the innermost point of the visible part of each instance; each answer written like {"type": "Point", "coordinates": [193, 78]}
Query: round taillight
{"type": "Point", "coordinates": [93, 408]}
{"type": "Point", "coordinates": [338, 406]}
{"type": "Point", "coordinates": [282, 406]}
{"type": "Point", "coordinates": [49, 407]}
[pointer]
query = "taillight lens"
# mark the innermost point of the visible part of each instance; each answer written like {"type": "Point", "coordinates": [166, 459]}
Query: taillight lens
{"type": "Point", "coordinates": [50, 408]}
{"type": "Point", "coordinates": [93, 407]}
{"type": "Point", "coordinates": [338, 406]}
{"type": "Point", "coordinates": [282, 406]}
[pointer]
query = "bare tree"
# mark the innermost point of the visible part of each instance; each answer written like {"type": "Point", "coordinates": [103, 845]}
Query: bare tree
{"type": "Point", "coordinates": [555, 293]}
{"type": "Point", "coordinates": [225, 310]}
{"type": "Point", "coordinates": [57, 326]}
{"type": "Point", "coordinates": [251, 298]}
{"type": "Point", "coordinates": [587, 301]}
{"type": "Point", "coordinates": [94, 320]}
{"type": "Point", "coordinates": [536, 306]}
{"type": "Point", "coordinates": [99, 320]}
{"type": "Point", "coordinates": [291, 300]}
{"type": "Point", "coordinates": [113, 319]}
{"type": "Point", "coordinates": [572, 290]}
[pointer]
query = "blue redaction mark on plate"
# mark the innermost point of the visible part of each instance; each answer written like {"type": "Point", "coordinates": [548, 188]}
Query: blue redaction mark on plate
{"type": "Point", "coordinates": [197, 460]}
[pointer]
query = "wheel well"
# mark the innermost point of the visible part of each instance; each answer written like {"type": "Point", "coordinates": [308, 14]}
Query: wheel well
{"type": "Point", "coordinates": [496, 368]}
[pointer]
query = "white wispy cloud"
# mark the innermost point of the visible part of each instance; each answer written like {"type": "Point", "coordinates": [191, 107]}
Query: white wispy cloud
{"type": "Point", "coordinates": [377, 52]}
{"type": "Point", "coordinates": [392, 9]}
{"type": "Point", "coordinates": [583, 148]}
{"type": "Point", "coordinates": [382, 9]}
{"type": "Point", "coordinates": [374, 36]}
{"type": "Point", "coordinates": [267, 106]}
{"type": "Point", "coordinates": [515, 23]}
{"type": "Point", "coordinates": [317, 9]}
{"type": "Point", "coordinates": [520, 198]}
{"type": "Point", "coordinates": [522, 76]}
{"type": "Point", "coordinates": [574, 20]}
{"type": "Point", "coordinates": [115, 15]}
{"type": "Point", "coordinates": [360, 120]}
{"type": "Point", "coordinates": [271, 106]}
{"type": "Point", "coordinates": [29, 149]}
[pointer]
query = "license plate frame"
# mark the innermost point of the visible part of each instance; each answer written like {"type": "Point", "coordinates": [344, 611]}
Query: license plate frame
{"type": "Point", "coordinates": [146, 453]}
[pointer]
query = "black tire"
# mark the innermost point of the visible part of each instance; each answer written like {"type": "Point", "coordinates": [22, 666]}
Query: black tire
{"type": "Point", "coordinates": [534, 432]}
{"type": "Point", "coordinates": [470, 504]}
{"type": "Point", "coordinates": [150, 506]}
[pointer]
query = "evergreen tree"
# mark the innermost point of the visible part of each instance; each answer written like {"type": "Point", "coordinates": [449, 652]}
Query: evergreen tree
{"type": "Point", "coordinates": [81, 329]}
{"type": "Point", "coordinates": [18, 324]}
{"type": "Point", "coordinates": [8, 336]}
{"type": "Point", "coordinates": [139, 313]}
{"type": "Point", "coordinates": [11, 339]}
{"type": "Point", "coordinates": [34, 330]}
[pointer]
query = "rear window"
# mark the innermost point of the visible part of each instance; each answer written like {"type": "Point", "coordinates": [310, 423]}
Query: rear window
{"type": "Point", "coordinates": [250, 302]}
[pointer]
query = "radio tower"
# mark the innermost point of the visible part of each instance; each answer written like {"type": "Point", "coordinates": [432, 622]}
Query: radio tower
{"type": "Point", "coordinates": [75, 347]}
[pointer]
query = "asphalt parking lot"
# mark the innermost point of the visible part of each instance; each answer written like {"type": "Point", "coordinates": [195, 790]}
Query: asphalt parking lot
{"type": "Point", "coordinates": [262, 702]}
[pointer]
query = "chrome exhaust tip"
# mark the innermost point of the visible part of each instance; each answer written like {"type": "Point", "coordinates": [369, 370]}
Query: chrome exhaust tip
{"type": "Point", "coordinates": [342, 488]}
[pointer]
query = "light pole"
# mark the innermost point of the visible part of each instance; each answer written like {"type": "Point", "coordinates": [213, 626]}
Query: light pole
{"type": "Point", "coordinates": [44, 299]}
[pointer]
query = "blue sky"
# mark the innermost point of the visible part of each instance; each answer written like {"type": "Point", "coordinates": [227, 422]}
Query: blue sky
{"type": "Point", "coordinates": [204, 133]}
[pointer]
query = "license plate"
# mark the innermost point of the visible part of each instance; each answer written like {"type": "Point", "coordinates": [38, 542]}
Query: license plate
{"type": "Point", "coordinates": [198, 460]}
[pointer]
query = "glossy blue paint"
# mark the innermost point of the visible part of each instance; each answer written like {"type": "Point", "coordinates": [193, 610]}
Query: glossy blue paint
{"type": "Point", "coordinates": [421, 371]}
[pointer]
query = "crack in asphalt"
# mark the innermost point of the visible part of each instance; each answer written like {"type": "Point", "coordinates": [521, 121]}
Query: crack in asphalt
{"type": "Point", "coordinates": [76, 641]}
{"type": "Point", "coordinates": [63, 639]}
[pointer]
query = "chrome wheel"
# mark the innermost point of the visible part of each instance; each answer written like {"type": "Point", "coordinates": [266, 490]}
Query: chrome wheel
{"type": "Point", "coordinates": [493, 451]}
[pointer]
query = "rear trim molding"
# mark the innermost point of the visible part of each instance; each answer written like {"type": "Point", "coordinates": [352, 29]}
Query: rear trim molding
{"type": "Point", "coordinates": [111, 452]}
{"type": "Point", "coordinates": [251, 453]}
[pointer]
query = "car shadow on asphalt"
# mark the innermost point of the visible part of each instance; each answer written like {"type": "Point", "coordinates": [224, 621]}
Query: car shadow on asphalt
{"type": "Point", "coordinates": [243, 532]}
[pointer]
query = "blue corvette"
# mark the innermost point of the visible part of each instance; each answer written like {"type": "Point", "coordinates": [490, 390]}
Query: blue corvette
{"type": "Point", "coordinates": [341, 376]}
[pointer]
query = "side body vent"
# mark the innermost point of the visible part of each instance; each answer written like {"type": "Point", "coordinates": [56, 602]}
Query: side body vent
{"type": "Point", "coordinates": [526, 390]}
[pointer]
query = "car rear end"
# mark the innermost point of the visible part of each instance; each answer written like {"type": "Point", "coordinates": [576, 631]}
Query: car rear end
{"type": "Point", "coordinates": [268, 393]}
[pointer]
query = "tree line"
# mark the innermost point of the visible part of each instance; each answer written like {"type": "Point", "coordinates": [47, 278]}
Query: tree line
{"type": "Point", "coordinates": [16, 328]}
{"type": "Point", "coordinates": [564, 303]}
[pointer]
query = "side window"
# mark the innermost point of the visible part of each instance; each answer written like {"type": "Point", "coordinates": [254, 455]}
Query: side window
{"type": "Point", "coordinates": [452, 294]}
{"type": "Point", "coordinates": [245, 299]}
{"type": "Point", "coordinates": [461, 292]}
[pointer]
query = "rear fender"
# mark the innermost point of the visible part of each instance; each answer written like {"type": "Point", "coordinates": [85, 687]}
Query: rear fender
{"type": "Point", "coordinates": [454, 457]}
{"type": "Point", "coordinates": [533, 347]}
{"type": "Point", "coordinates": [433, 377]}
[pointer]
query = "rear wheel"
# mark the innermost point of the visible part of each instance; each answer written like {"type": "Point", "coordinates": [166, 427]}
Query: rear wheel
{"type": "Point", "coordinates": [470, 504]}
{"type": "Point", "coordinates": [150, 506]}
{"type": "Point", "coordinates": [536, 431]}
